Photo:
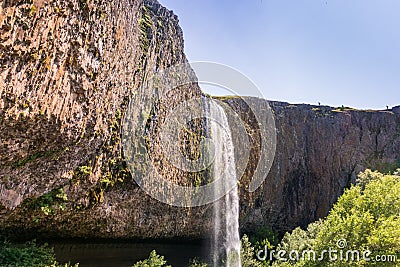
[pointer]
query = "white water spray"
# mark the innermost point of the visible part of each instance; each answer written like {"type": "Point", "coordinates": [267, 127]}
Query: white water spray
{"type": "Point", "coordinates": [226, 240]}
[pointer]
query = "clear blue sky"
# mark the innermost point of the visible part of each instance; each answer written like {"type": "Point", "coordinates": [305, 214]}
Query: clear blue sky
{"type": "Point", "coordinates": [337, 52]}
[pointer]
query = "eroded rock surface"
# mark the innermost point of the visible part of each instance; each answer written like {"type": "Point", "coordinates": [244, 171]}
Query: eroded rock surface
{"type": "Point", "coordinates": [67, 72]}
{"type": "Point", "coordinates": [320, 151]}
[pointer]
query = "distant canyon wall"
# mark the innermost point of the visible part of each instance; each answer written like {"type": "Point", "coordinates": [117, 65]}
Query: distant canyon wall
{"type": "Point", "coordinates": [320, 151]}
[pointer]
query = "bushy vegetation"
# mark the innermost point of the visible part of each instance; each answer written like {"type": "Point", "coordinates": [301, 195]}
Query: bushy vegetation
{"type": "Point", "coordinates": [197, 263]}
{"type": "Point", "coordinates": [49, 203]}
{"type": "Point", "coordinates": [248, 253]}
{"type": "Point", "coordinates": [366, 218]}
{"type": "Point", "coordinates": [28, 255]}
{"type": "Point", "coordinates": [154, 260]}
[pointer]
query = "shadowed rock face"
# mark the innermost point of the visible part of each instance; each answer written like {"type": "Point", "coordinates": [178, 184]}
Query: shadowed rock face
{"type": "Point", "coordinates": [320, 150]}
{"type": "Point", "coordinates": [66, 68]}
{"type": "Point", "coordinates": [67, 71]}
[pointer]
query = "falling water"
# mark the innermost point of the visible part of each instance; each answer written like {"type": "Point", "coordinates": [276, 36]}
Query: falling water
{"type": "Point", "coordinates": [226, 240]}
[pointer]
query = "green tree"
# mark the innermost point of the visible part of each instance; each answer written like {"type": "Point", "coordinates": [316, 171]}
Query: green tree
{"type": "Point", "coordinates": [365, 218]}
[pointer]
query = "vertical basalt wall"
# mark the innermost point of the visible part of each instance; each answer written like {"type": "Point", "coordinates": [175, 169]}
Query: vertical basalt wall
{"type": "Point", "coordinates": [68, 70]}
{"type": "Point", "coordinates": [320, 151]}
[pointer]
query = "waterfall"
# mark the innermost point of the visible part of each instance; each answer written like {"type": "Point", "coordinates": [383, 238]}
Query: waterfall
{"type": "Point", "coordinates": [226, 240]}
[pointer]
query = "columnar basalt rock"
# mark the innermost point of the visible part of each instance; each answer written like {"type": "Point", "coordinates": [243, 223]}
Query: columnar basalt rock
{"type": "Point", "coordinates": [67, 71]}
{"type": "Point", "coordinates": [320, 151]}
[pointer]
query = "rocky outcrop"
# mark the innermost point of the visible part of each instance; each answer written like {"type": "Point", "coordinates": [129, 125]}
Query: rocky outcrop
{"type": "Point", "coordinates": [68, 69]}
{"type": "Point", "coordinates": [320, 151]}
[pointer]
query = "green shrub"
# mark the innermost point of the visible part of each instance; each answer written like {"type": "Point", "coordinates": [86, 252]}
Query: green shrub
{"type": "Point", "coordinates": [154, 260]}
{"type": "Point", "coordinates": [299, 239]}
{"type": "Point", "coordinates": [197, 263]}
{"type": "Point", "coordinates": [28, 255]}
{"type": "Point", "coordinates": [50, 202]}
{"type": "Point", "coordinates": [248, 254]}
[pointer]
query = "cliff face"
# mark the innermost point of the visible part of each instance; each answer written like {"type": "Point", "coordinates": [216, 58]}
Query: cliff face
{"type": "Point", "coordinates": [320, 151]}
{"type": "Point", "coordinates": [68, 69]}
